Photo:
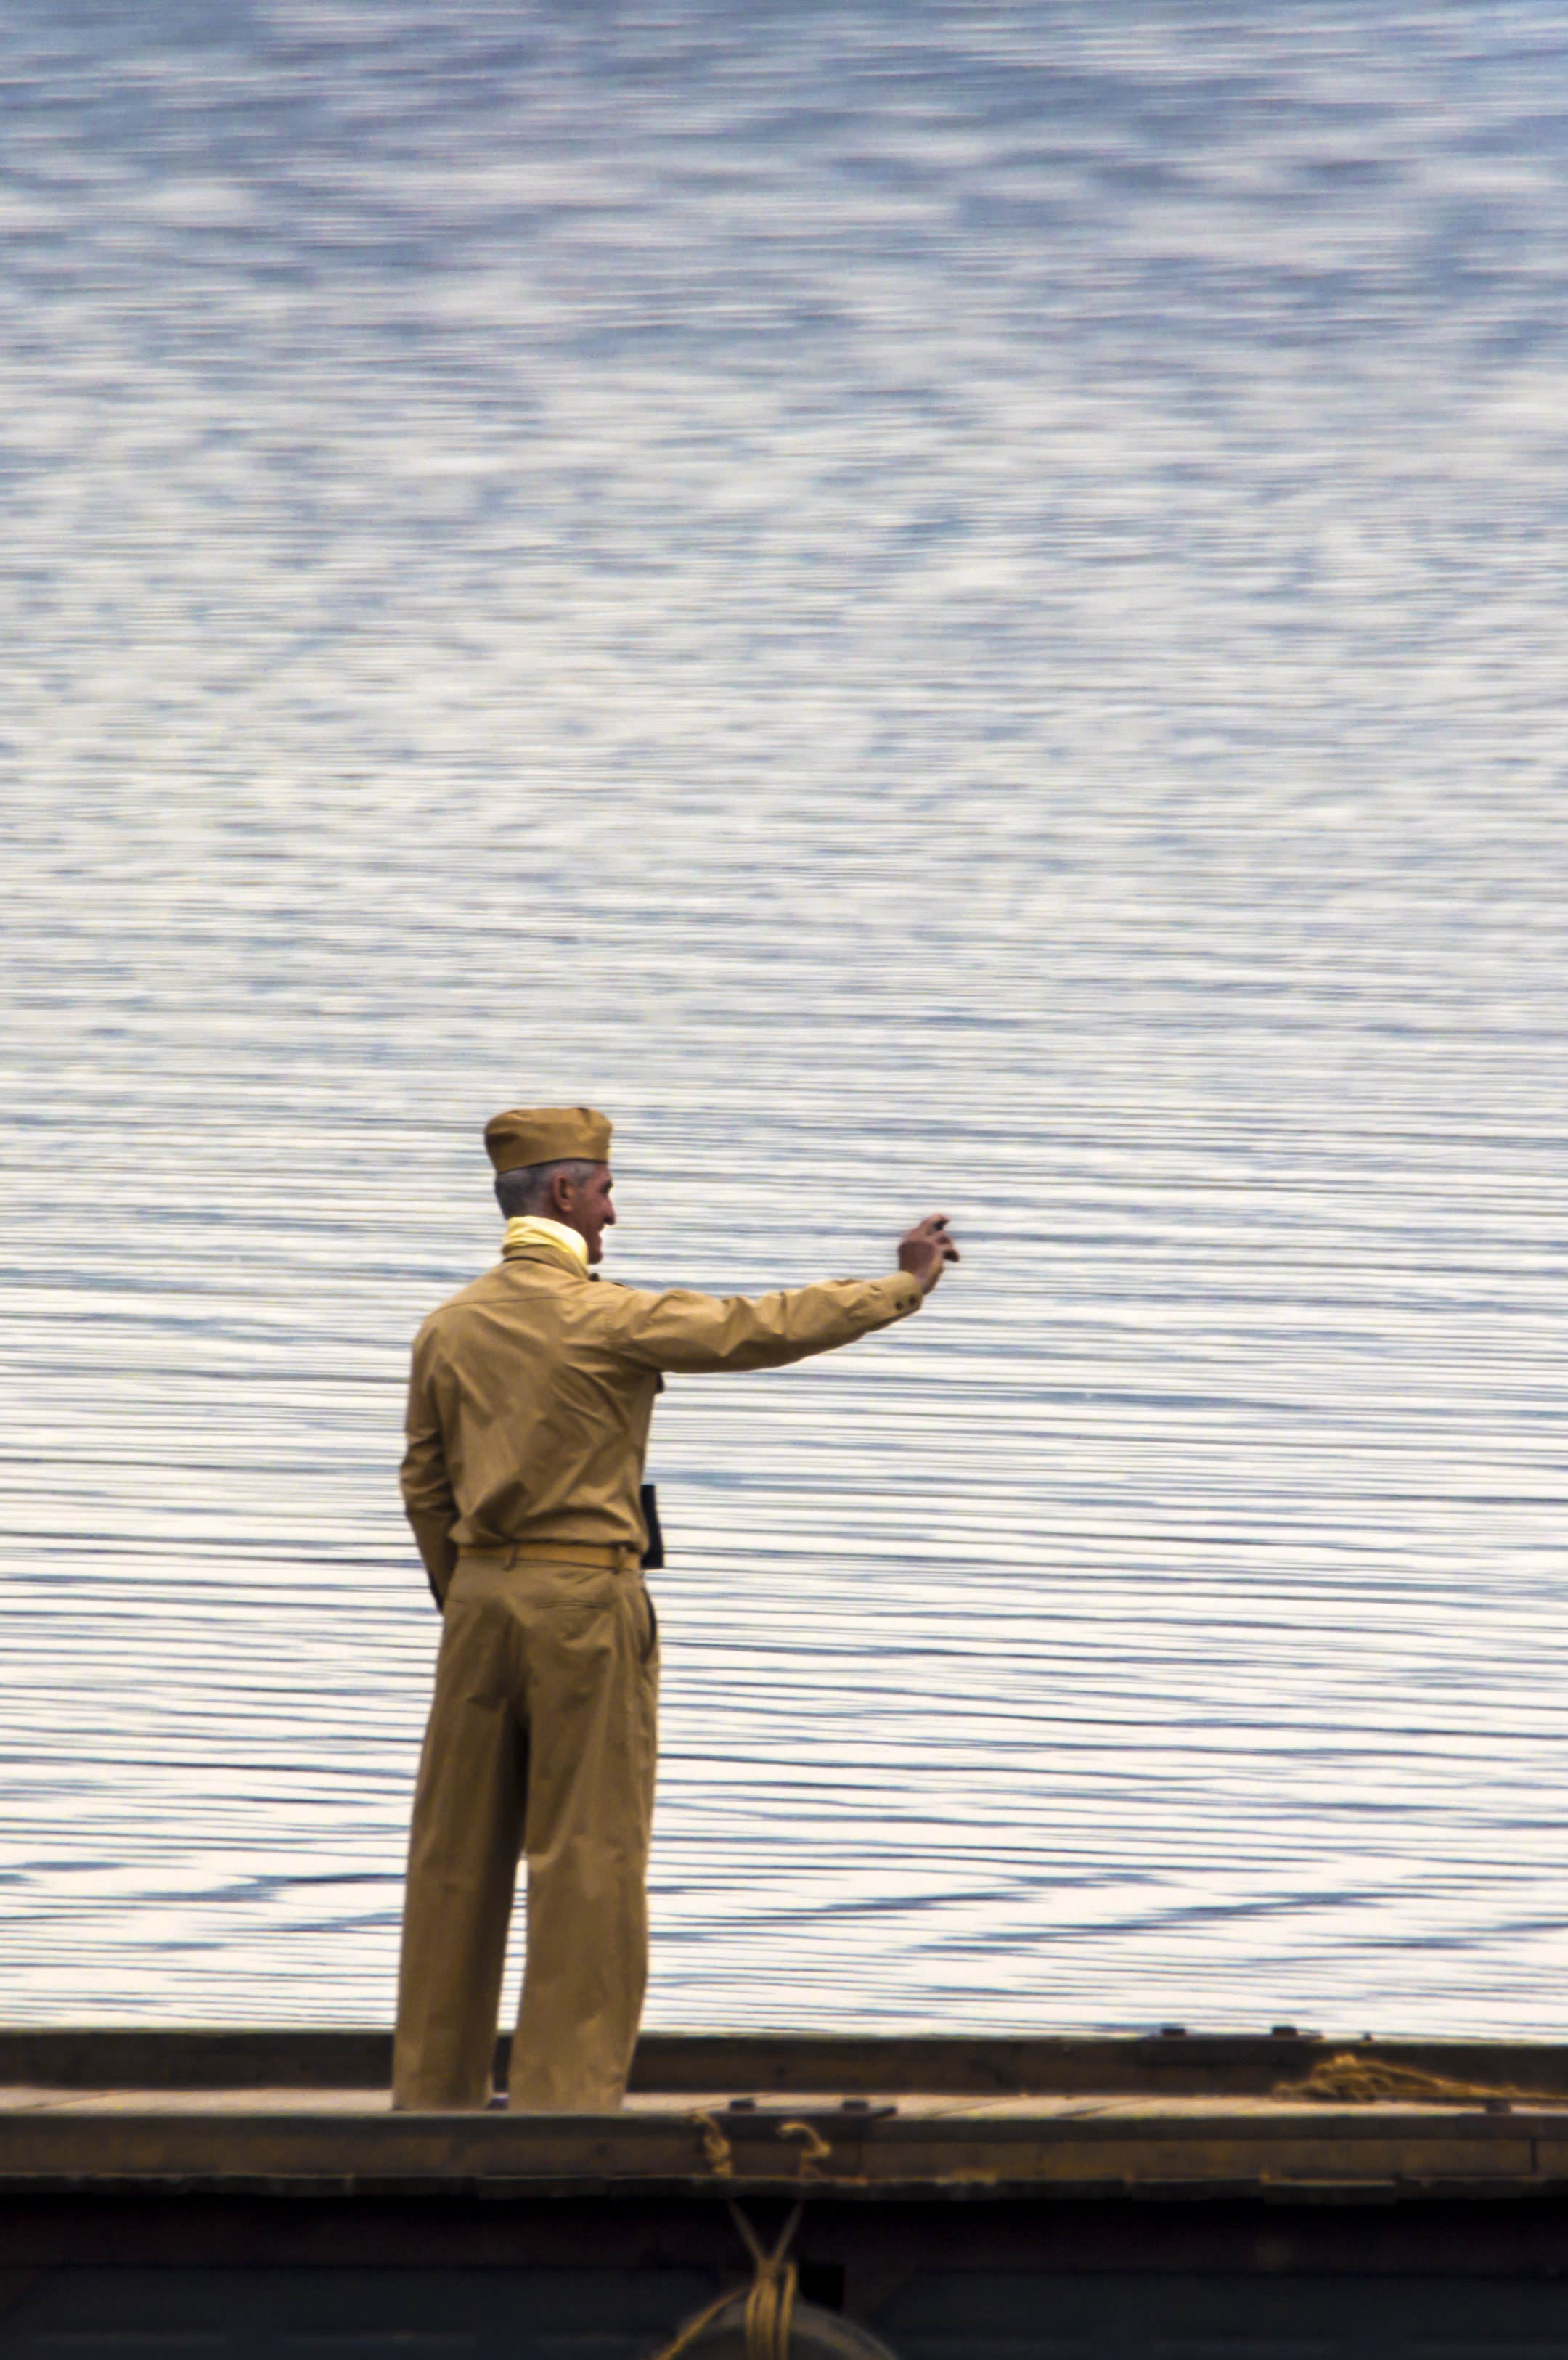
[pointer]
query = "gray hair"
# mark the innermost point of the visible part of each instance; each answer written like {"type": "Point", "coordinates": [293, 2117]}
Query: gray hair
{"type": "Point", "coordinates": [526, 1189]}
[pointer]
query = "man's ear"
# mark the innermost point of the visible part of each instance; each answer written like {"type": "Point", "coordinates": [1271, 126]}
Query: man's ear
{"type": "Point", "coordinates": [561, 1193]}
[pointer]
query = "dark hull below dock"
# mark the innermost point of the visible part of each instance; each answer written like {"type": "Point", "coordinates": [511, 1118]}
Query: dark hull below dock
{"type": "Point", "coordinates": [247, 2196]}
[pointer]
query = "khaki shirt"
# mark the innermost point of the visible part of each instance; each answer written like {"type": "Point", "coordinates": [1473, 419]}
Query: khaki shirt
{"type": "Point", "coordinates": [532, 1392]}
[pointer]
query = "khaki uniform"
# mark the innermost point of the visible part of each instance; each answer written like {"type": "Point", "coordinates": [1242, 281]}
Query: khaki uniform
{"type": "Point", "coordinates": [529, 1411]}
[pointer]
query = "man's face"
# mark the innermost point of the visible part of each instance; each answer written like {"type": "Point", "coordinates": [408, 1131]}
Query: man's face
{"type": "Point", "coordinates": [589, 1209]}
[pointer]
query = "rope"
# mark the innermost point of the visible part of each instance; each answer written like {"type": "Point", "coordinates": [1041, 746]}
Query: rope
{"type": "Point", "coordinates": [716, 2152]}
{"type": "Point", "coordinates": [719, 2156]}
{"type": "Point", "coordinates": [770, 2305]}
{"type": "Point", "coordinates": [770, 2302]}
{"type": "Point", "coordinates": [814, 2148]}
{"type": "Point", "coordinates": [1363, 2080]}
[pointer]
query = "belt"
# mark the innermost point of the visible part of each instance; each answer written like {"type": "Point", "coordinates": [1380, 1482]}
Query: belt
{"type": "Point", "coordinates": [601, 1556]}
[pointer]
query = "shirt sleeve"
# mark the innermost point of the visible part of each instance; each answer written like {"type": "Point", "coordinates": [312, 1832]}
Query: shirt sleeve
{"type": "Point", "coordinates": [427, 1498]}
{"type": "Point", "coordinates": [696, 1334]}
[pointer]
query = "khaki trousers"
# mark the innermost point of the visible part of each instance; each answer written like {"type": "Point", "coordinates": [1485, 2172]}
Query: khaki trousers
{"type": "Point", "coordinates": [542, 1742]}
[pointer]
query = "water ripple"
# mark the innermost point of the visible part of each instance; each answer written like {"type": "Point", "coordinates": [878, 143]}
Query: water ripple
{"type": "Point", "coordinates": [929, 606]}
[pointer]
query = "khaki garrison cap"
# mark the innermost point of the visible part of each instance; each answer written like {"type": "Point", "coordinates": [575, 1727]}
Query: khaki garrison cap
{"type": "Point", "coordinates": [547, 1135]}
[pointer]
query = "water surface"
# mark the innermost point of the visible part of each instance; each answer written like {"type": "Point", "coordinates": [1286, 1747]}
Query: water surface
{"type": "Point", "coordinates": [932, 606]}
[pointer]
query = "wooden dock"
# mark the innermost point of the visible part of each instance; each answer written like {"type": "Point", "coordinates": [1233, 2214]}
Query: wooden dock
{"type": "Point", "coordinates": [226, 2186]}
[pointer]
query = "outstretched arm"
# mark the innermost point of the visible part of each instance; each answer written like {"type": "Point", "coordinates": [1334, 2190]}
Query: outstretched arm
{"type": "Point", "coordinates": [696, 1333]}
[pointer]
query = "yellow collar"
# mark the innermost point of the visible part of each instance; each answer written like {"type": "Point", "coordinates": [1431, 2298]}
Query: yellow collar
{"type": "Point", "coordinates": [533, 1229]}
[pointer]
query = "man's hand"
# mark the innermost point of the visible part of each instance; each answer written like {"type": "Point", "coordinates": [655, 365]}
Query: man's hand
{"type": "Point", "coordinates": [923, 1250]}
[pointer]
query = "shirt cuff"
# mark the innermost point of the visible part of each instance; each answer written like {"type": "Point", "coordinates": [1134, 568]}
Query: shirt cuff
{"type": "Point", "coordinates": [907, 1293]}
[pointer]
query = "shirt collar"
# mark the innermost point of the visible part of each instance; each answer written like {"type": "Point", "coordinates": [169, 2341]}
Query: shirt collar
{"type": "Point", "coordinates": [534, 1229]}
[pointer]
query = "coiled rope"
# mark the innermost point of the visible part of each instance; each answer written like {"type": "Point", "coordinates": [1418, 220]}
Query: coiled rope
{"type": "Point", "coordinates": [770, 2302]}
{"type": "Point", "coordinates": [1363, 2080]}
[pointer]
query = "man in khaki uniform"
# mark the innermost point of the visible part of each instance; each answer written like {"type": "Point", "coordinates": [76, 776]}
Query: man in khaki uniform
{"type": "Point", "coordinates": [529, 1412]}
